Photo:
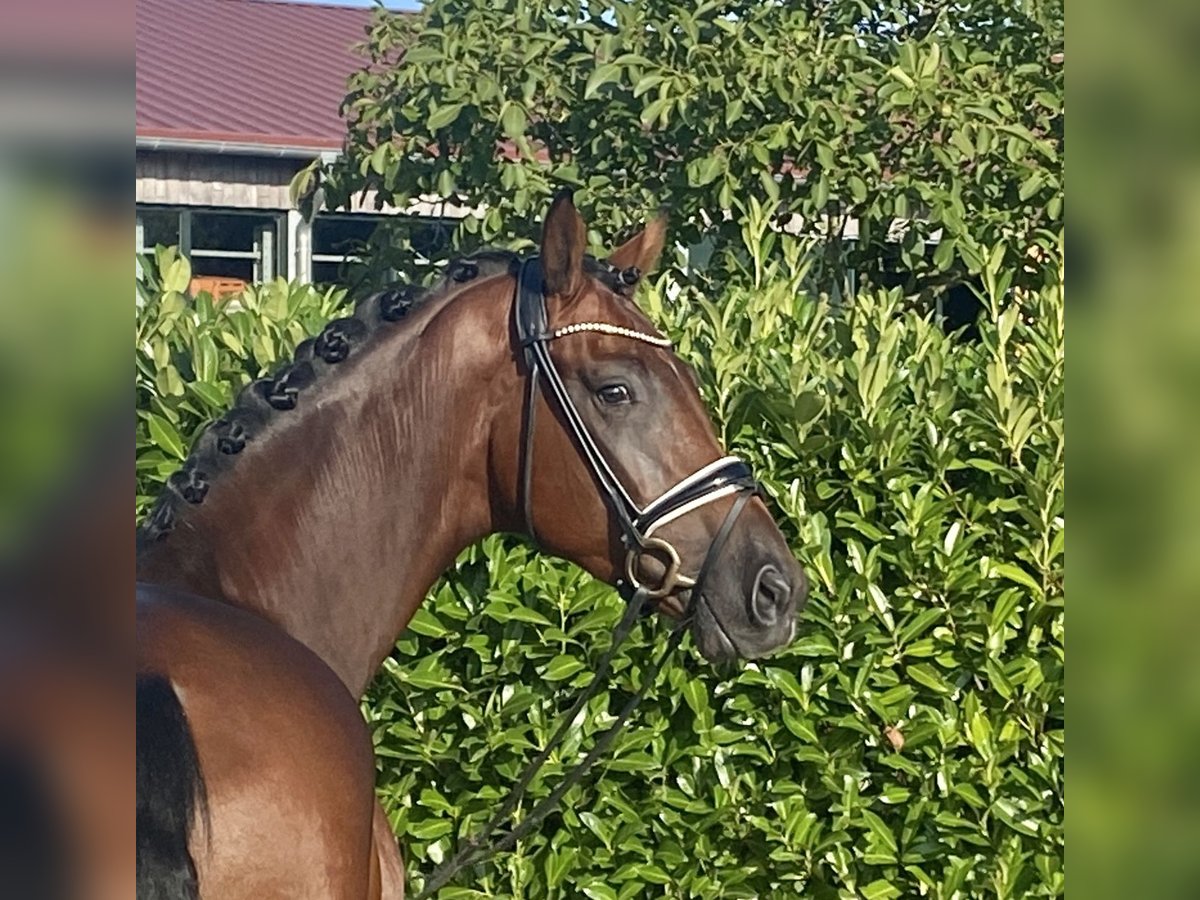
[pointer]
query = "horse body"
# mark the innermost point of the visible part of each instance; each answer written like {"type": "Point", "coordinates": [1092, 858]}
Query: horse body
{"type": "Point", "coordinates": [307, 527]}
{"type": "Point", "coordinates": [288, 777]}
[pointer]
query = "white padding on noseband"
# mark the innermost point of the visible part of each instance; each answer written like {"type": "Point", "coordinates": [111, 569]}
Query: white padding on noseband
{"type": "Point", "coordinates": [695, 504]}
{"type": "Point", "coordinates": [697, 476]}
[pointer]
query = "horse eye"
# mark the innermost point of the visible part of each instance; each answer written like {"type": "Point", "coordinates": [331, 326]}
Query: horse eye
{"type": "Point", "coordinates": [613, 394]}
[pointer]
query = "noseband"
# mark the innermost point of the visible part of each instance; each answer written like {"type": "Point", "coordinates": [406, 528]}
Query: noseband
{"type": "Point", "coordinates": [724, 477]}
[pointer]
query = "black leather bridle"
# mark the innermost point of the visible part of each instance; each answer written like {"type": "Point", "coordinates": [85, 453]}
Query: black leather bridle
{"type": "Point", "coordinates": [723, 478]}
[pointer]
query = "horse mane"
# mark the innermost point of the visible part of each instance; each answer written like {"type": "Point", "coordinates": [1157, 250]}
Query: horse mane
{"type": "Point", "coordinates": [315, 360]}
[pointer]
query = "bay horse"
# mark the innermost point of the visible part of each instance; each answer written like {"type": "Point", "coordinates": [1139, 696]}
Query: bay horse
{"type": "Point", "coordinates": [286, 556]}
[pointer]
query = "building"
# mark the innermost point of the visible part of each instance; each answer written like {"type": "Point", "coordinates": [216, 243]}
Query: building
{"type": "Point", "coordinates": [233, 98]}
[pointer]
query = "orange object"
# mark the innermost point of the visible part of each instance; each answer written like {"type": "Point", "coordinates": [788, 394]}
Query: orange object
{"type": "Point", "coordinates": [217, 287]}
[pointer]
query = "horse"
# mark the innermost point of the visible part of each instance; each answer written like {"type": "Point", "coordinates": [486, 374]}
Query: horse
{"type": "Point", "coordinates": [287, 554]}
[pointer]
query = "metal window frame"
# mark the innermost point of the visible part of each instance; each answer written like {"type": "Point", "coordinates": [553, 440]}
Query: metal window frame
{"type": "Point", "coordinates": [267, 251]}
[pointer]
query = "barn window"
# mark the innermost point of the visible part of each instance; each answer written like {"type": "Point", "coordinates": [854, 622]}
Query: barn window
{"type": "Point", "coordinates": [157, 227]}
{"type": "Point", "coordinates": [221, 244]}
{"type": "Point", "coordinates": [234, 245]}
{"type": "Point", "coordinates": [341, 243]}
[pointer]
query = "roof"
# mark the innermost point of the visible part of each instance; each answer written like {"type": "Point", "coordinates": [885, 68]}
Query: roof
{"type": "Point", "coordinates": [245, 71]}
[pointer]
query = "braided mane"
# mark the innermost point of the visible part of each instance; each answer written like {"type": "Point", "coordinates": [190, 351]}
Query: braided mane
{"type": "Point", "coordinates": [263, 401]}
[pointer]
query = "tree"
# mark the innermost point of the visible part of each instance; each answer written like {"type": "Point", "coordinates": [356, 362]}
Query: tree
{"type": "Point", "coordinates": [909, 139]}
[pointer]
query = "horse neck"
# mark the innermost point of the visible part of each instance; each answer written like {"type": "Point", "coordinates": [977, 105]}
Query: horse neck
{"type": "Point", "coordinates": [338, 522]}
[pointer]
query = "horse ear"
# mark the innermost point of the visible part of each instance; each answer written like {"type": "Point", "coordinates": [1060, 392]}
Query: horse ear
{"type": "Point", "coordinates": [642, 251]}
{"type": "Point", "coordinates": [564, 239]}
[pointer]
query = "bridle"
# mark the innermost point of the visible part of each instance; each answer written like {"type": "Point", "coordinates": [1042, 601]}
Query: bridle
{"type": "Point", "coordinates": [728, 476]}
{"type": "Point", "coordinates": [724, 477]}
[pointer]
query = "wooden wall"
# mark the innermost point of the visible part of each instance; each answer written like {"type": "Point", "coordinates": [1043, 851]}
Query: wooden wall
{"type": "Point", "coordinates": [248, 182]}
{"type": "Point", "coordinates": [228, 180]}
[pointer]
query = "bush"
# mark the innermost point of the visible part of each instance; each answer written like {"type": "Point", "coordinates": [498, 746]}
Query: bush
{"type": "Point", "coordinates": [193, 355]}
{"type": "Point", "coordinates": [909, 743]}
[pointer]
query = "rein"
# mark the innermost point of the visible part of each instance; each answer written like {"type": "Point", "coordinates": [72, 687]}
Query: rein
{"type": "Point", "coordinates": [722, 478]}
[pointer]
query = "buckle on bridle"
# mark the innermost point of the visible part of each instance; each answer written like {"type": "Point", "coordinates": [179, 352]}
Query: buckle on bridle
{"type": "Point", "coordinates": [671, 580]}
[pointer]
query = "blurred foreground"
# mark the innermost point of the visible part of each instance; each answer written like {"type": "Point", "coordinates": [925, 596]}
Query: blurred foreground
{"type": "Point", "coordinates": [65, 473]}
{"type": "Point", "coordinates": [1135, 470]}
{"type": "Point", "coordinates": [66, 548]}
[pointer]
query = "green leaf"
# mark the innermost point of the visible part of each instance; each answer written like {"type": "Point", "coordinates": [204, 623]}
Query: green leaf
{"type": "Point", "coordinates": [880, 890]}
{"type": "Point", "coordinates": [561, 667]}
{"type": "Point", "coordinates": [559, 864]}
{"type": "Point", "coordinates": [426, 623]}
{"type": "Point", "coordinates": [177, 277]}
{"type": "Point", "coordinates": [880, 831]}
{"type": "Point", "coordinates": [786, 682]}
{"type": "Point", "coordinates": [704, 171]}
{"type": "Point", "coordinates": [210, 394]}
{"type": "Point", "coordinates": [980, 730]}
{"type": "Point", "coordinates": [165, 436]}
{"type": "Point", "coordinates": [430, 829]}
{"type": "Point", "coordinates": [951, 538]}
{"type": "Point", "coordinates": [920, 623]}
{"type": "Point", "coordinates": [443, 116]}
{"type": "Point", "coordinates": [879, 600]}
{"type": "Point", "coordinates": [769, 184]}
{"type": "Point", "coordinates": [927, 675]}
{"type": "Point", "coordinates": [598, 890]}
{"type": "Point", "coordinates": [600, 76]}
{"type": "Point", "coordinates": [646, 82]}
{"type": "Point", "coordinates": [820, 195]}
{"type": "Point", "coordinates": [379, 158]}
{"type": "Point", "coordinates": [655, 111]}
{"type": "Point", "coordinates": [813, 645]}
{"type": "Point", "coordinates": [799, 725]}
{"type": "Point", "coordinates": [1006, 604]}
{"type": "Point", "coordinates": [943, 254]}
{"type": "Point", "coordinates": [1011, 815]}
{"type": "Point", "coordinates": [733, 111]}
{"type": "Point", "coordinates": [525, 614]}
{"type": "Point", "coordinates": [858, 189]}
{"type": "Point", "coordinates": [696, 696]}
{"type": "Point", "coordinates": [513, 121]}
{"type": "Point", "coordinates": [1016, 573]}
{"type": "Point", "coordinates": [825, 155]}
{"type": "Point", "coordinates": [1030, 185]}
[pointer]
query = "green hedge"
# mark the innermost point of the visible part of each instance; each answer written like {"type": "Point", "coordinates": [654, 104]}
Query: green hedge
{"type": "Point", "coordinates": [192, 355]}
{"type": "Point", "coordinates": [910, 743]}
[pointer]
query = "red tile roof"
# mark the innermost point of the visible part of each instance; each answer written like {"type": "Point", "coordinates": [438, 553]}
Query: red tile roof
{"type": "Point", "coordinates": [245, 71]}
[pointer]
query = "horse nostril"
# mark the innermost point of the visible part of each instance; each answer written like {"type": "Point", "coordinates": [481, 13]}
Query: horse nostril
{"type": "Point", "coordinates": [770, 596]}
